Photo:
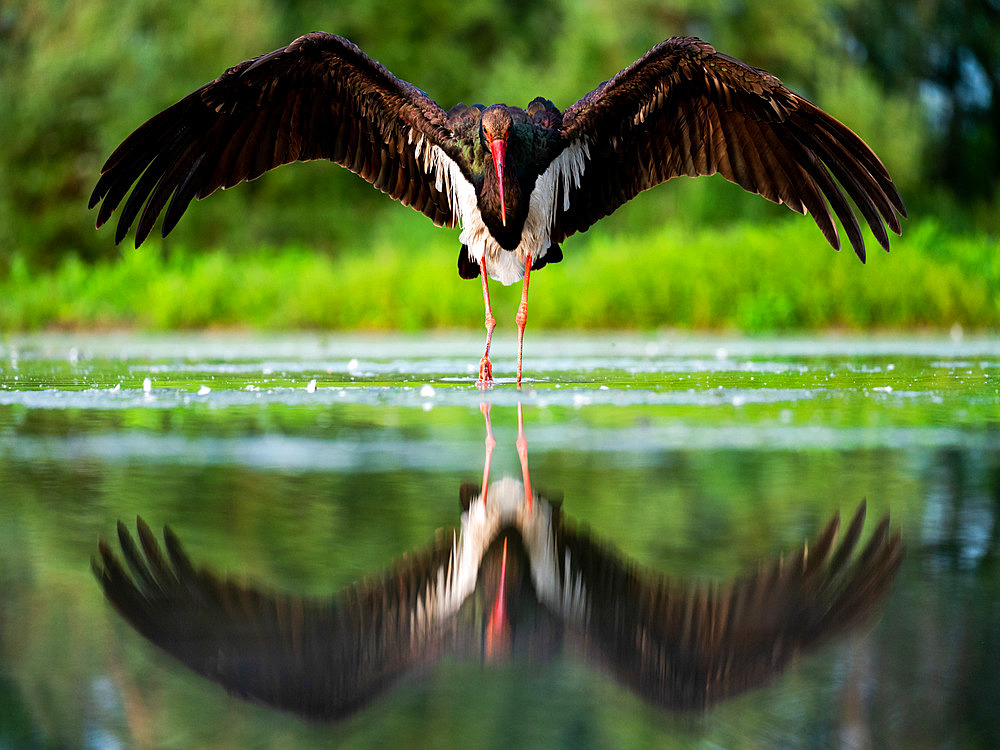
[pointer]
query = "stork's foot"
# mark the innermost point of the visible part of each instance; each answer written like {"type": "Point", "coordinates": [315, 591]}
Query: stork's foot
{"type": "Point", "coordinates": [485, 373]}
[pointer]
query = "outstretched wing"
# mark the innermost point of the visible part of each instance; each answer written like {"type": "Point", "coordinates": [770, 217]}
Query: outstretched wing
{"type": "Point", "coordinates": [688, 647]}
{"type": "Point", "coordinates": [684, 109]}
{"type": "Point", "coordinates": [318, 98]}
{"type": "Point", "coordinates": [320, 658]}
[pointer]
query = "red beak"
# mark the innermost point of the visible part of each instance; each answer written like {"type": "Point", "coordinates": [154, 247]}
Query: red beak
{"type": "Point", "coordinates": [498, 148]}
{"type": "Point", "coordinates": [497, 623]}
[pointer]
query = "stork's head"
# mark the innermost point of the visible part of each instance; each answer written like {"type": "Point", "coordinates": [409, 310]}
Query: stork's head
{"type": "Point", "coordinates": [495, 130]}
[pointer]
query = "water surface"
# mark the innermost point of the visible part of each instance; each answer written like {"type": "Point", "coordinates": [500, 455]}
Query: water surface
{"type": "Point", "coordinates": [304, 464]}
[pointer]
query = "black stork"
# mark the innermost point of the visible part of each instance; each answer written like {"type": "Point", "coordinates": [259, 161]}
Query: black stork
{"type": "Point", "coordinates": [518, 181]}
{"type": "Point", "coordinates": [516, 581]}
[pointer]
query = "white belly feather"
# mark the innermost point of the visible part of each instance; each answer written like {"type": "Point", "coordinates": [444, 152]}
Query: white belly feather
{"type": "Point", "coordinates": [506, 266]}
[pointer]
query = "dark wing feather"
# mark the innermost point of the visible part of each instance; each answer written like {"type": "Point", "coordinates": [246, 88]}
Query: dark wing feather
{"type": "Point", "coordinates": [687, 647]}
{"type": "Point", "coordinates": [318, 98]}
{"type": "Point", "coordinates": [684, 109]}
{"type": "Point", "coordinates": [319, 658]}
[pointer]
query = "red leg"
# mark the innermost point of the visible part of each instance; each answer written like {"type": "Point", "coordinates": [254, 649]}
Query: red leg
{"type": "Point", "coordinates": [522, 454]}
{"type": "Point", "coordinates": [491, 443]}
{"type": "Point", "coordinates": [485, 366]}
{"type": "Point", "coordinates": [522, 316]}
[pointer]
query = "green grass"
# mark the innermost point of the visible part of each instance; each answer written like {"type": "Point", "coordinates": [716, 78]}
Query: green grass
{"type": "Point", "coordinates": [747, 277]}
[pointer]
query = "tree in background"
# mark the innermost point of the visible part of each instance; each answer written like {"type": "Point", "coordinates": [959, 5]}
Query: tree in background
{"type": "Point", "coordinates": [946, 53]}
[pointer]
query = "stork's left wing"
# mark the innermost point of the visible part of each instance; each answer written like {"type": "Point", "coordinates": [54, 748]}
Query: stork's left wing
{"type": "Point", "coordinates": [685, 109]}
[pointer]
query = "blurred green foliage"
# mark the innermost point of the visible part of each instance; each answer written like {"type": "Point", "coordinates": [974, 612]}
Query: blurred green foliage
{"type": "Point", "coordinates": [76, 78]}
{"type": "Point", "coordinates": [748, 276]}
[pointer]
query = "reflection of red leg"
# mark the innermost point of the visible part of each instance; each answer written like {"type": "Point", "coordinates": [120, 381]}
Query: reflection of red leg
{"type": "Point", "coordinates": [485, 367]}
{"type": "Point", "coordinates": [522, 315]}
{"type": "Point", "coordinates": [491, 443]}
{"type": "Point", "coordinates": [522, 453]}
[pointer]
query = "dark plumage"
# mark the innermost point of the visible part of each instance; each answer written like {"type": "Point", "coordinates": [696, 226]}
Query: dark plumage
{"type": "Point", "coordinates": [520, 181]}
{"type": "Point", "coordinates": [510, 583]}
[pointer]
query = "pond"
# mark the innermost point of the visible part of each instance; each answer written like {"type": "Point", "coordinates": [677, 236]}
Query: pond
{"type": "Point", "coordinates": [661, 469]}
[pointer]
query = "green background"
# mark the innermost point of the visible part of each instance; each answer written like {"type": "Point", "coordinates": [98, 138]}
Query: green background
{"type": "Point", "coordinates": [313, 246]}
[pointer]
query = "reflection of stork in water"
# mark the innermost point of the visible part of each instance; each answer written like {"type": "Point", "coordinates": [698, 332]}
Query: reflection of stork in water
{"type": "Point", "coordinates": [516, 579]}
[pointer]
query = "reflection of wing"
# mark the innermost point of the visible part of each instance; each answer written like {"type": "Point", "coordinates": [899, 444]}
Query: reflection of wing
{"type": "Point", "coordinates": [687, 647]}
{"type": "Point", "coordinates": [321, 658]}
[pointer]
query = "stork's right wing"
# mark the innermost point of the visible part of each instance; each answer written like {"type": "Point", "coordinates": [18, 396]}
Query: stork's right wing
{"type": "Point", "coordinates": [318, 98]}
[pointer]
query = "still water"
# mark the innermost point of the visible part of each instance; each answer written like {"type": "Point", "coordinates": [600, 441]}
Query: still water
{"type": "Point", "coordinates": [337, 481]}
